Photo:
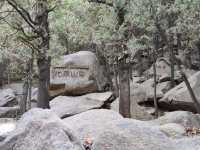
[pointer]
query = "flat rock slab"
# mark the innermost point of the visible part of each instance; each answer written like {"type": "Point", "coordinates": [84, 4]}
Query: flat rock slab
{"type": "Point", "coordinates": [65, 106]}
{"type": "Point", "coordinates": [9, 112]}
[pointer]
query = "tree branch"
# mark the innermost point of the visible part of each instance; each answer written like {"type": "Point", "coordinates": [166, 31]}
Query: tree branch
{"type": "Point", "coordinates": [23, 13]}
{"type": "Point", "coordinates": [101, 2]}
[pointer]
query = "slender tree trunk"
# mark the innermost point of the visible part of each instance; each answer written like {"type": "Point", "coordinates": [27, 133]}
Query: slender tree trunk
{"type": "Point", "coordinates": [1, 74]}
{"type": "Point", "coordinates": [30, 83]}
{"type": "Point", "coordinates": [155, 90]}
{"type": "Point", "coordinates": [198, 47]}
{"type": "Point", "coordinates": [124, 85]}
{"type": "Point", "coordinates": [156, 47]}
{"type": "Point", "coordinates": [24, 97]}
{"type": "Point", "coordinates": [23, 103]}
{"type": "Point", "coordinates": [116, 84]}
{"type": "Point", "coordinates": [172, 83]}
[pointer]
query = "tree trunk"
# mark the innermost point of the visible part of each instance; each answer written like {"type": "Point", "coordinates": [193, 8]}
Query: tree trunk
{"type": "Point", "coordinates": [41, 18]}
{"type": "Point", "coordinates": [155, 89]}
{"type": "Point", "coordinates": [43, 93]}
{"type": "Point", "coordinates": [156, 47]}
{"type": "Point", "coordinates": [124, 92]}
{"type": "Point", "coordinates": [1, 74]}
{"type": "Point", "coordinates": [30, 83]}
{"type": "Point", "coordinates": [116, 83]}
{"type": "Point", "coordinates": [172, 83]}
{"type": "Point", "coordinates": [23, 103]}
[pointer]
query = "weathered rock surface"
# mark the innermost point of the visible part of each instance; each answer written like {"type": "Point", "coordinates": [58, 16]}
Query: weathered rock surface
{"type": "Point", "coordinates": [6, 126]}
{"type": "Point", "coordinates": [65, 106]}
{"type": "Point", "coordinates": [137, 111]}
{"type": "Point", "coordinates": [41, 130]}
{"type": "Point", "coordinates": [179, 95]}
{"type": "Point", "coordinates": [184, 118]}
{"type": "Point", "coordinates": [145, 91]}
{"type": "Point", "coordinates": [173, 130]}
{"type": "Point", "coordinates": [108, 130]}
{"type": "Point", "coordinates": [7, 98]}
{"type": "Point", "coordinates": [132, 135]}
{"type": "Point", "coordinates": [91, 123]}
{"type": "Point", "coordinates": [77, 74]}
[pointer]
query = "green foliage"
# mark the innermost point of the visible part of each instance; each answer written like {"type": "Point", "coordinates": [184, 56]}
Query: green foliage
{"type": "Point", "coordinates": [75, 23]}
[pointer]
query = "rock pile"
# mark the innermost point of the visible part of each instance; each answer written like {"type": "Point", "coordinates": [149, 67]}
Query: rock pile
{"type": "Point", "coordinates": [42, 130]}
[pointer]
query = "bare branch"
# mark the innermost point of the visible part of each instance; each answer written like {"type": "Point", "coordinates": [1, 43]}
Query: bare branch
{"type": "Point", "coordinates": [101, 2]}
{"type": "Point", "coordinates": [29, 44]}
{"type": "Point", "coordinates": [52, 9]}
{"type": "Point", "coordinates": [8, 13]}
{"type": "Point", "coordinates": [23, 13]}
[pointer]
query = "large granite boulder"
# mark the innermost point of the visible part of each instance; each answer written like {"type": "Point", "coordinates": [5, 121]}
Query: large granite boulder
{"type": "Point", "coordinates": [163, 71]}
{"type": "Point", "coordinates": [77, 74]}
{"type": "Point", "coordinates": [179, 96]}
{"type": "Point", "coordinates": [106, 129]}
{"type": "Point", "coordinates": [145, 91]}
{"type": "Point", "coordinates": [162, 68]}
{"type": "Point", "coordinates": [7, 98]}
{"type": "Point", "coordinates": [65, 106]}
{"type": "Point", "coordinates": [41, 130]}
{"type": "Point", "coordinates": [91, 123]}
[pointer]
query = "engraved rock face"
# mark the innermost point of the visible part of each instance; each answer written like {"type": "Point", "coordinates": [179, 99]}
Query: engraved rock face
{"type": "Point", "coordinates": [77, 74]}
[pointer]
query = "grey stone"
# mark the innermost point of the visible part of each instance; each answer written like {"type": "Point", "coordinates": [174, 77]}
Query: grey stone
{"type": "Point", "coordinates": [9, 112]}
{"type": "Point", "coordinates": [163, 71]}
{"type": "Point", "coordinates": [137, 111]}
{"type": "Point", "coordinates": [108, 130]}
{"type": "Point", "coordinates": [184, 118]}
{"type": "Point", "coordinates": [7, 98]}
{"type": "Point", "coordinates": [41, 130]}
{"type": "Point", "coordinates": [145, 91]}
{"type": "Point", "coordinates": [77, 74]}
{"type": "Point", "coordinates": [65, 106]}
{"type": "Point", "coordinates": [129, 134]}
{"type": "Point", "coordinates": [173, 130]}
{"type": "Point", "coordinates": [179, 95]}
{"type": "Point", "coordinates": [91, 123]}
